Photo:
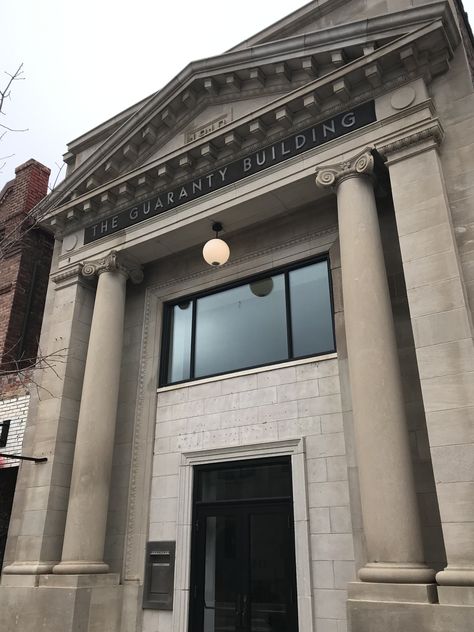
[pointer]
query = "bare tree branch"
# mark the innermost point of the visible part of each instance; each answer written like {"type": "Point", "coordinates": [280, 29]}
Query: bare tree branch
{"type": "Point", "coordinates": [12, 129]}
{"type": "Point", "coordinates": [25, 369]}
{"type": "Point", "coordinates": [55, 182]}
{"type": "Point", "coordinates": [13, 364]}
{"type": "Point", "coordinates": [5, 93]}
{"type": "Point", "coordinates": [16, 76]}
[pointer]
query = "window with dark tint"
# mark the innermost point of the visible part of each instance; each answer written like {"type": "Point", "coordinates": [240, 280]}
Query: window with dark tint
{"type": "Point", "coordinates": [269, 479]}
{"type": "Point", "coordinates": [266, 320]}
{"type": "Point", "coordinates": [310, 300]}
{"type": "Point", "coordinates": [180, 342]}
{"type": "Point", "coordinates": [239, 328]}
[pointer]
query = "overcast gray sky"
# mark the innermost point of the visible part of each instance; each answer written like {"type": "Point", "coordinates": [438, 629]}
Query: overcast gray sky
{"type": "Point", "coordinates": [85, 61]}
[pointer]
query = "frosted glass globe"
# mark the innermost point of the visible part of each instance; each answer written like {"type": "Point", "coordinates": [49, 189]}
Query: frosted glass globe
{"type": "Point", "coordinates": [216, 252]}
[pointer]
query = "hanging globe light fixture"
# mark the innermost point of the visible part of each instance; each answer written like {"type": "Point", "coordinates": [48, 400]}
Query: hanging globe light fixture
{"type": "Point", "coordinates": [216, 252]}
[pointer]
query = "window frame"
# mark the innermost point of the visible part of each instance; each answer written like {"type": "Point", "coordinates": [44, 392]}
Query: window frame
{"type": "Point", "coordinates": [192, 298]}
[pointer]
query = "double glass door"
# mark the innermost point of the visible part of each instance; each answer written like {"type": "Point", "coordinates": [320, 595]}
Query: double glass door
{"type": "Point", "coordinates": [243, 570]}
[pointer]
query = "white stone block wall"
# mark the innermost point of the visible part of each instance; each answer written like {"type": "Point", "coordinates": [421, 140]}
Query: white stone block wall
{"type": "Point", "coordinates": [296, 401]}
{"type": "Point", "coordinates": [15, 409]}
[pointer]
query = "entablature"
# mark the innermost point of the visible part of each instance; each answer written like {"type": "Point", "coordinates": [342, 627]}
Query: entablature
{"type": "Point", "coordinates": [275, 191]}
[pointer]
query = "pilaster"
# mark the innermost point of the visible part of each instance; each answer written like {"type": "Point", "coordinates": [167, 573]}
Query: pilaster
{"type": "Point", "coordinates": [389, 507]}
{"type": "Point", "coordinates": [442, 329]}
{"type": "Point", "coordinates": [39, 511]}
{"type": "Point", "coordinates": [84, 534]}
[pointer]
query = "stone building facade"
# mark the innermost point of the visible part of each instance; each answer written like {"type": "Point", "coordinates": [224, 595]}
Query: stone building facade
{"type": "Point", "coordinates": [285, 441]}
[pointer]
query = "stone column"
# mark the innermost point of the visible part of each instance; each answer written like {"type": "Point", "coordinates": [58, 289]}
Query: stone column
{"type": "Point", "coordinates": [389, 505]}
{"type": "Point", "coordinates": [40, 506]}
{"type": "Point", "coordinates": [84, 535]}
{"type": "Point", "coordinates": [443, 334]}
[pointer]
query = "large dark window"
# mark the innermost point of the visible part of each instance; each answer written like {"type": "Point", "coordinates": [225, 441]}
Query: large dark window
{"type": "Point", "coordinates": [265, 320]}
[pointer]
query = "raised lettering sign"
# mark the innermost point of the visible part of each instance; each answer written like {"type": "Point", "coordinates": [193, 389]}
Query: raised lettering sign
{"type": "Point", "coordinates": [210, 127]}
{"type": "Point", "coordinates": [257, 161]}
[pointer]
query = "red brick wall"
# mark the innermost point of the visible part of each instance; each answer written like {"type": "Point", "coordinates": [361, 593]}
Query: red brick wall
{"type": "Point", "coordinates": [25, 259]}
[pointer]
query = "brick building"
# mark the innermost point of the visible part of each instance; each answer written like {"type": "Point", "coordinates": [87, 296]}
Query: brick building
{"type": "Point", "coordinates": [25, 259]}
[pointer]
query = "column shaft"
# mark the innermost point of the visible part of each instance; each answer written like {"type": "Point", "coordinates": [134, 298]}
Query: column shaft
{"type": "Point", "coordinates": [84, 536]}
{"type": "Point", "coordinates": [389, 505]}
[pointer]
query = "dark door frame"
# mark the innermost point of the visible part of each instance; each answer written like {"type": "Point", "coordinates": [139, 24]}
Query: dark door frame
{"type": "Point", "coordinates": [241, 509]}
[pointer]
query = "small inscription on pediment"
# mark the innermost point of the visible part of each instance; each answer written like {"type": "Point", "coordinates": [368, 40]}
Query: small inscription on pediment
{"type": "Point", "coordinates": [203, 130]}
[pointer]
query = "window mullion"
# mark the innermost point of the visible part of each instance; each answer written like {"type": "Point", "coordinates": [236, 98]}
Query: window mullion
{"type": "Point", "coordinates": [288, 315]}
{"type": "Point", "coordinates": [192, 355]}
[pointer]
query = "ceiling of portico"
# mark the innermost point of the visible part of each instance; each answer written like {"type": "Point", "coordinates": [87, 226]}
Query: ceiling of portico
{"type": "Point", "coordinates": [252, 96]}
{"type": "Point", "coordinates": [286, 201]}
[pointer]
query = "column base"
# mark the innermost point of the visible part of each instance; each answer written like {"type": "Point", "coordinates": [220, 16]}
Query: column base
{"type": "Point", "coordinates": [63, 603]}
{"type": "Point", "coordinates": [367, 615]}
{"type": "Point", "coordinates": [396, 573]}
{"type": "Point", "coordinates": [28, 568]}
{"type": "Point", "coordinates": [80, 580]}
{"type": "Point", "coordinates": [452, 576]}
{"type": "Point", "coordinates": [406, 593]}
{"type": "Point", "coordinates": [456, 595]}
{"type": "Point", "coordinates": [80, 567]}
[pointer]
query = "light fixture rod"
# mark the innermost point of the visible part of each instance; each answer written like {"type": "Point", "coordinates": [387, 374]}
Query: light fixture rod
{"type": "Point", "coordinates": [35, 459]}
{"type": "Point", "coordinates": [217, 227]}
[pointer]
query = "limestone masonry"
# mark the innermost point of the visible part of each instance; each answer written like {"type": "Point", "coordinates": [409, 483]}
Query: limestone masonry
{"type": "Point", "coordinates": [284, 442]}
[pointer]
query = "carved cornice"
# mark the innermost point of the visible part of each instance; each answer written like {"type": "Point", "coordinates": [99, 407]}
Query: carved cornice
{"type": "Point", "coordinates": [114, 262]}
{"type": "Point", "coordinates": [332, 175]}
{"type": "Point", "coordinates": [74, 272]}
{"type": "Point", "coordinates": [434, 132]}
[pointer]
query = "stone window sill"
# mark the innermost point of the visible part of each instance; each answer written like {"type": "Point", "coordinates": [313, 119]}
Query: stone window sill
{"type": "Point", "coordinates": [261, 369]}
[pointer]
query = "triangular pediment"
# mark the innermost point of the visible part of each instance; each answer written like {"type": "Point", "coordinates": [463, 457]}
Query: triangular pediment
{"type": "Point", "coordinates": [321, 15]}
{"type": "Point", "coordinates": [218, 107]}
{"type": "Point", "coordinates": [209, 118]}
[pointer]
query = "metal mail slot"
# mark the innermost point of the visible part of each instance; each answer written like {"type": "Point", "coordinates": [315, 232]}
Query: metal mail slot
{"type": "Point", "coordinates": [159, 575]}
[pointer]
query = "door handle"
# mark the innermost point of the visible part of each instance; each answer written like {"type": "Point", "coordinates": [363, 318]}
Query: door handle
{"type": "Point", "coordinates": [245, 601]}
{"type": "Point", "coordinates": [238, 611]}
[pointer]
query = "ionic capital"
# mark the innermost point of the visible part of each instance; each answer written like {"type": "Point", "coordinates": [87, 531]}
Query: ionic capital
{"type": "Point", "coordinates": [115, 262]}
{"type": "Point", "coordinates": [332, 175]}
